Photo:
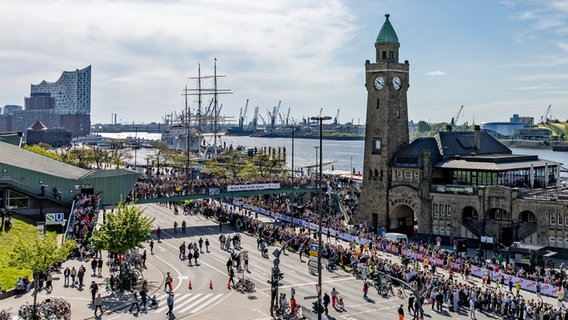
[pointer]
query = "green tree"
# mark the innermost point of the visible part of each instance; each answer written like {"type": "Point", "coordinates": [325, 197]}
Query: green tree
{"type": "Point", "coordinates": [40, 253]}
{"type": "Point", "coordinates": [44, 150]}
{"type": "Point", "coordinates": [126, 229]}
{"type": "Point", "coordinates": [79, 156]}
{"type": "Point", "coordinates": [235, 163]}
{"type": "Point", "coordinates": [268, 165]}
{"type": "Point", "coordinates": [118, 155]}
{"type": "Point", "coordinates": [159, 155]}
{"type": "Point", "coordinates": [423, 126]}
{"type": "Point", "coordinates": [100, 157]}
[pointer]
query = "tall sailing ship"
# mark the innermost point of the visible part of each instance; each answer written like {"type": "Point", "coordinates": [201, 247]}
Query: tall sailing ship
{"type": "Point", "coordinates": [197, 132]}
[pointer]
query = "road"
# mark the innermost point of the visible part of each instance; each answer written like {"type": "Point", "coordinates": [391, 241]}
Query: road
{"type": "Point", "coordinates": [202, 302]}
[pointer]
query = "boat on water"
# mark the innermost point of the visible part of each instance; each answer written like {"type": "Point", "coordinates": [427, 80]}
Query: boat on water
{"type": "Point", "coordinates": [191, 131]}
{"type": "Point", "coordinates": [93, 140]}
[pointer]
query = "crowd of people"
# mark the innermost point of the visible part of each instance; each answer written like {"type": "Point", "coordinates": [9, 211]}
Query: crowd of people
{"type": "Point", "coordinates": [364, 259]}
{"type": "Point", "coordinates": [443, 291]}
{"type": "Point", "coordinates": [173, 182]}
{"type": "Point", "coordinates": [83, 220]}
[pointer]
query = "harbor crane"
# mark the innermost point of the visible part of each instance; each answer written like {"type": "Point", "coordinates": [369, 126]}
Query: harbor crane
{"type": "Point", "coordinates": [288, 116]}
{"type": "Point", "coordinates": [455, 118]}
{"type": "Point", "coordinates": [243, 116]}
{"type": "Point", "coordinates": [262, 119]}
{"type": "Point", "coordinates": [336, 120]}
{"type": "Point", "coordinates": [544, 118]}
{"type": "Point", "coordinates": [272, 115]}
{"type": "Point", "coordinates": [255, 118]}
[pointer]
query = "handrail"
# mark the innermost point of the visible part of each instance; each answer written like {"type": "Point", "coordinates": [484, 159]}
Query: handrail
{"type": "Point", "coordinates": [71, 217]}
{"type": "Point", "coordinates": [30, 189]}
{"type": "Point", "coordinates": [215, 195]}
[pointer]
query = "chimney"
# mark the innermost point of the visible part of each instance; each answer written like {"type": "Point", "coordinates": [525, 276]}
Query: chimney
{"type": "Point", "coordinates": [477, 137]}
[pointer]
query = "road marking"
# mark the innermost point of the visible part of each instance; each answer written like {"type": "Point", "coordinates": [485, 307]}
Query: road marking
{"type": "Point", "coordinates": [174, 268]}
{"type": "Point", "coordinates": [203, 305]}
{"type": "Point", "coordinates": [308, 284]}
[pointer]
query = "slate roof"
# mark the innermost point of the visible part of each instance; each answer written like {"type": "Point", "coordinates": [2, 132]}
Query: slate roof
{"type": "Point", "coordinates": [455, 143]}
{"type": "Point", "coordinates": [456, 149]}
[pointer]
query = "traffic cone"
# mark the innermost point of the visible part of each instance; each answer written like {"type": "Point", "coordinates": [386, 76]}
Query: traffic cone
{"type": "Point", "coordinates": [229, 284]}
{"type": "Point", "coordinates": [189, 285]}
{"type": "Point", "coordinates": [211, 284]}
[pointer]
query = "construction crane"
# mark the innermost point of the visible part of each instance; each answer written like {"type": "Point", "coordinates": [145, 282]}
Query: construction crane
{"type": "Point", "coordinates": [244, 115]}
{"type": "Point", "coordinates": [544, 118]}
{"type": "Point", "coordinates": [241, 118]}
{"type": "Point", "coordinates": [255, 118]}
{"type": "Point", "coordinates": [336, 120]}
{"type": "Point", "coordinates": [262, 119]}
{"type": "Point", "coordinates": [456, 117]}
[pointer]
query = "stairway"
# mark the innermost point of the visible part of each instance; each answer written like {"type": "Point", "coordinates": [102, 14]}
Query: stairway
{"type": "Point", "coordinates": [472, 226]}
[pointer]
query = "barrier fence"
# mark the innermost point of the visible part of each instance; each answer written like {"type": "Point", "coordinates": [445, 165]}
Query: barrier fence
{"type": "Point", "coordinates": [480, 272]}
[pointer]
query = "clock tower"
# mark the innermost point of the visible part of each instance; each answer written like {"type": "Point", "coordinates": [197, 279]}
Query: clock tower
{"type": "Point", "coordinates": [386, 81]}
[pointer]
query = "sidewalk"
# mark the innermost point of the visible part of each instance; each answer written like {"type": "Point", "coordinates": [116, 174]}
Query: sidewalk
{"type": "Point", "coordinates": [80, 298]}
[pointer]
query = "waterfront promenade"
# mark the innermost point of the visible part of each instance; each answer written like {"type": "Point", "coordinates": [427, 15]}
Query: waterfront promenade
{"type": "Point", "coordinates": [201, 302]}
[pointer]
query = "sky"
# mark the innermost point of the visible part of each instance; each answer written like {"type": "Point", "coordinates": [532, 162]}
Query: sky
{"type": "Point", "coordinates": [496, 58]}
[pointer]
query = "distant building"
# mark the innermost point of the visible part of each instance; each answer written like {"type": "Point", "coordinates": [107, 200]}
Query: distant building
{"type": "Point", "coordinates": [10, 108]}
{"type": "Point", "coordinates": [502, 130]}
{"type": "Point", "coordinates": [71, 92]}
{"type": "Point", "coordinates": [23, 119]}
{"type": "Point", "coordinates": [39, 101]}
{"type": "Point", "coordinates": [63, 104]}
{"type": "Point", "coordinates": [39, 133]}
{"type": "Point", "coordinates": [528, 120]}
{"type": "Point", "coordinates": [534, 133]}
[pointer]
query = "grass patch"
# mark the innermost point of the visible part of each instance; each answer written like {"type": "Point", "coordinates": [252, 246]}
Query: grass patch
{"type": "Point", "coordinates": [22, 227]}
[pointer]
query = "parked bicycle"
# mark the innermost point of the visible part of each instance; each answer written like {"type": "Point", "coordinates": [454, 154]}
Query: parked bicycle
{"type": "Point", "coordinates": [6, 314]}
{"type": "Point", "coordinates": [55, 308]}
{"type": "Point", "coordinates": [244, 285]}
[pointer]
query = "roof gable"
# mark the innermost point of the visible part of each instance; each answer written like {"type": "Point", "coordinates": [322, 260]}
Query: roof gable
{"type": "Point", "coordinates": [456, 143]}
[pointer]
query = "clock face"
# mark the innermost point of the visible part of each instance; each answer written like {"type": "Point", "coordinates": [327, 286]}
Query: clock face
{"type": "Point", "coordinates": [396, 83]}
{"type": "Point", "coordinates": [379, 83]}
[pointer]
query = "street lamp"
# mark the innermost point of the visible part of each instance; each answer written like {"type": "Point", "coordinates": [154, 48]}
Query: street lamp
{"type": "Point", "coordinates": [320, 211]}
{"type": "Point", "coordinates": [135, 145]}
{"type": "Point", "coordinates": [316, 166]}
{"type": "Point", "coordinates": [292, 177]}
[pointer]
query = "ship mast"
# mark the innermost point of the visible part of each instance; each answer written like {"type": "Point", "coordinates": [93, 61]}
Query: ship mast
{"type": "Point", "coordinates": [215, 92]}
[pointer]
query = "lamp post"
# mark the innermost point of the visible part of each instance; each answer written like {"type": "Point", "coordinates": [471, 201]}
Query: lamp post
{"type": "Point", "coordinates": [316, 166]}
{"type": "Point", "coordinates": [292, 176]}
{"type": "Point", "coordinates": [135, 145]}
{"type": "Point", "coordinates": [320, 210]}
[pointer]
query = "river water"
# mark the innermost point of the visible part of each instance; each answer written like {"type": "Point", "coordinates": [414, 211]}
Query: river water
{"type": "Point", "coordinates": [344, 155]}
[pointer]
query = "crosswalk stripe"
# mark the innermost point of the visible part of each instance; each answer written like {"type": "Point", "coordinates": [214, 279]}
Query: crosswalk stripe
{"type": "Point", "coordinates": [211, 301]}
{"type": "Point", "coordinates": [180, 303]}
{"type": "Point", "coordinates": [165, 300]}
{"type": "Point", "coordinates": [196, 303]}
{"type": "Point", "coordinates": [177, 301]}
{"type": "Point", "coordinates": [193, 299]}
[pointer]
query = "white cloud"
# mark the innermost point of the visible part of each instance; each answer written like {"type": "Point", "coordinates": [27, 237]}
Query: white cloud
{"type": "Point", "coordinates": [436, 73]}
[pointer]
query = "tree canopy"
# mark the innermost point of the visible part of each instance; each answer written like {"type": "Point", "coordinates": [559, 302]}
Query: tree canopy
{"type": "Point", "coordinates": [41, 252]}
{"type": "Point", "coordinates": [126, 229]}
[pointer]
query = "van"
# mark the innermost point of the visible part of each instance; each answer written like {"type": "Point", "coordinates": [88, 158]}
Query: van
{"type": "Point", "coordinates": [393, 237]}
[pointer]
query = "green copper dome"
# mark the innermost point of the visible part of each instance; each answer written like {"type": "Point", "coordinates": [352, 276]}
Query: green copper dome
{"type": "Point", "coordinates": [387, 34]}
